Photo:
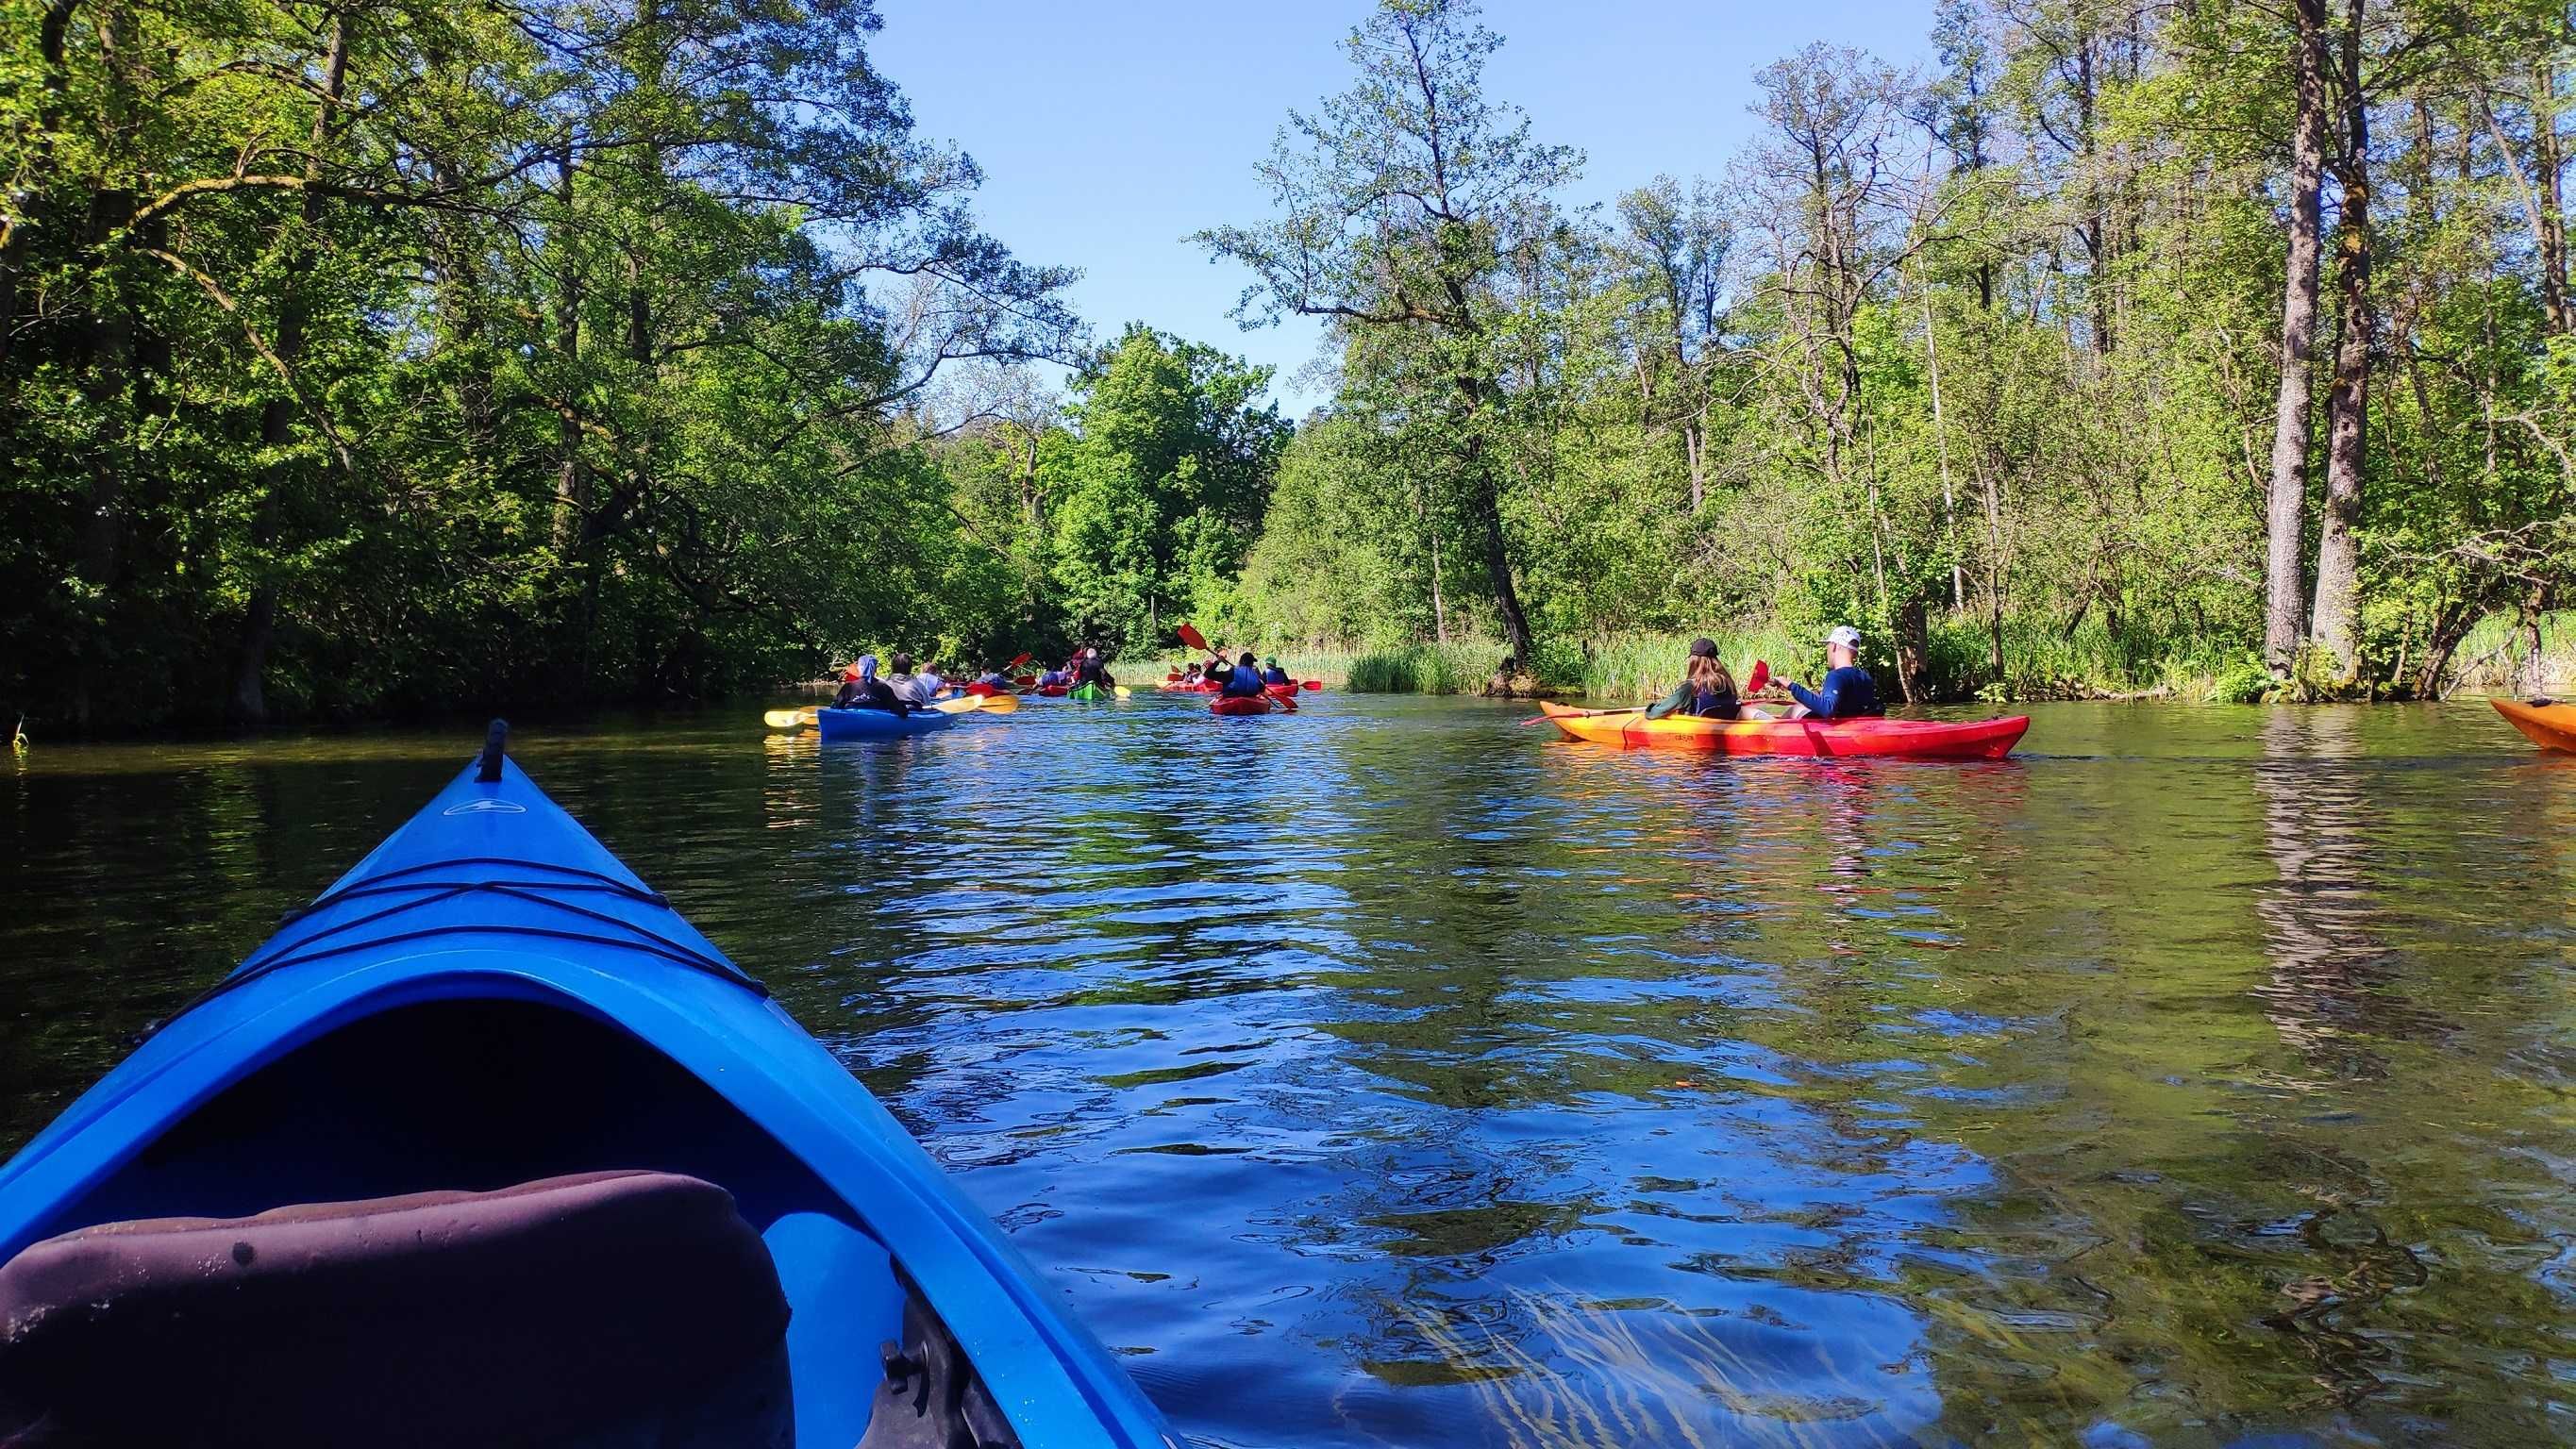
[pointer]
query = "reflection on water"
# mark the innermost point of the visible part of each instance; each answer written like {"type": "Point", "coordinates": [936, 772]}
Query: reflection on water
{"type": "Point", "coordinates": [1384, 1075]}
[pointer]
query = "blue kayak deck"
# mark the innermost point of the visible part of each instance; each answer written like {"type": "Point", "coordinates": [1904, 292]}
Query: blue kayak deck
{"type": "Point", "coordinates": [491, 997]}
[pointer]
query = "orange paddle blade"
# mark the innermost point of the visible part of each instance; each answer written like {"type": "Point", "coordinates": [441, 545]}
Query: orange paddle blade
{"type": "Point", "coordinates": [1193, 638]}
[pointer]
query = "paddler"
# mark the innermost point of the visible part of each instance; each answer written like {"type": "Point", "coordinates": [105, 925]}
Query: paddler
{"type": "Point", "coordinates": [1274, 676]}
{"type": "Point", "coordinates": [1848, 692]}
{"type": "Point", "coordinates": [861, 689]}
{"type": "Point", "coordinates": [907, 686]}
{"type": "Point", "coordinates": [1707, 689]}
{"type": "Point", "coordinates": [1192, 675]}
{"type": "Point", "coordinates": [1087, 669]}
{"type": "Point", "coordinates": [1244, 679]}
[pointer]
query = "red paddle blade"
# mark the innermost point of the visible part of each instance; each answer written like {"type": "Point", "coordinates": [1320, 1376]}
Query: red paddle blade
{"type": "Point", "coordinates": [1761, 676]}
{"type": "Point", "coordinates": [1193, 638]}
{"type": "Point", "coordinates": [1019, 659]}
{"type": "Point", "coordinates": [1314, 684]}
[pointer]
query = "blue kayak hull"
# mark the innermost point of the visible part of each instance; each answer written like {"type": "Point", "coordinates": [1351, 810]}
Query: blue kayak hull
{"type": "Point", "coordinates": [491, 997]}
{"type": "Point", "coordinates": [878, 724]}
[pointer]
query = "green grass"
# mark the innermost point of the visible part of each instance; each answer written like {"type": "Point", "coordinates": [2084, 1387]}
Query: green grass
{"type": "Point", "coordinates": [2490, 659]}
{"type": "Point", "coordinates": [1452, 668]}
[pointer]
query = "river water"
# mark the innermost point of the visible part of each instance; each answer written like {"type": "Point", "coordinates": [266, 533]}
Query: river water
{"type": "Point", "coordinates": [1392, 1075]}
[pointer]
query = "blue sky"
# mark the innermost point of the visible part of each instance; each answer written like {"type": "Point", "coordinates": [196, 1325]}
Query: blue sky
{"type": "Point", "coordinates": [1109, 132]}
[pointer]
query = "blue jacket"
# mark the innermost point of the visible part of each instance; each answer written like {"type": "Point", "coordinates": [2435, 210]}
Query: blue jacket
{"type": "Point", "coordinates": [1274, 676]}
{"type": "Point", "coordinates": [1848, 693]}
{"type": "Point", "coordinates": [1243, 682]}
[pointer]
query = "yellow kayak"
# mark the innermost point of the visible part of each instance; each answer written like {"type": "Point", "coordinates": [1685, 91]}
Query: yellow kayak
{"type": "Point", "coordinates": [2551, 726]}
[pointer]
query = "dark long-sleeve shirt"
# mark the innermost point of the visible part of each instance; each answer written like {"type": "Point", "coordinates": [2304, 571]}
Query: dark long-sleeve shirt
{"type": "Point", "coordinates": [869, 694]}
{"type": "Point", "coordinates": [1686, 700]}
{"type": "Point", "coordinates": [1848, 692]}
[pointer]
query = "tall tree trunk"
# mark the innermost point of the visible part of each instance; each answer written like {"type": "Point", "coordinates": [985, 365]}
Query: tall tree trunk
{"type": "Point", "coordinates": [1488, 506]}
{"type": "Point", "coordinates": [2549, 158]}
{"type": "Point", "coordinates": [1485, 505]}
{"type": "Point", "coordinates": [249, 705]}
{"type": "Point", "coordinates": [2332, 619]}
{"type": "Point", "coordinates": [1439, 600]}
{"type": "Point", "coordinates": [1941, 438]}
{"type": "Point", "coordinates": [572, 492]}
{"type": "Point", "coordinates": [2286, 513]}
{"type": "Point", "coordinates": [460, 302]}
{"type": "Point", "coordinates": [1914, 649]}
{"type": "Point", "coordinates": [1695, 445]}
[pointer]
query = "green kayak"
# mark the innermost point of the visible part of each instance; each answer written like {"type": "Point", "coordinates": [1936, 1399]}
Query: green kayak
{"type": "Point", "coordinates": [1090, 691]}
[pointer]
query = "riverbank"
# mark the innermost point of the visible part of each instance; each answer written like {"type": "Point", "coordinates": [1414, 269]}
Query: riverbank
{"type": "Point", "coordinates": [2041, 664]}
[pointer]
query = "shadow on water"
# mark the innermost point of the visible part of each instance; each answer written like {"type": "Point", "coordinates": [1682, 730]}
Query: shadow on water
{"type": "Point", "coordinates": [1386, 1075]}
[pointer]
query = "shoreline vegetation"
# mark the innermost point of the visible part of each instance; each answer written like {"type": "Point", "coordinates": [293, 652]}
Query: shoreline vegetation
{"type": "Point", "coordinates": [2041, 666]}
{"type": "Point", "coordinates": [382, 363]}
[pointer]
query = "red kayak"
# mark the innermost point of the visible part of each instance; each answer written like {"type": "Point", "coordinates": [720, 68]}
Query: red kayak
{"type": "Point", "coordinates": [1202, 687]}
{"type": "Point", "coordinates": [1054, 691]}
{"type": "Point", "coordinates": [1249, 704]}
{"type": "Point", "coordinates": [1922, 739]}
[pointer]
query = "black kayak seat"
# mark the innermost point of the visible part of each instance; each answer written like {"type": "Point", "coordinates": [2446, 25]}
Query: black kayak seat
{"type": "Point", "coordinates": [606, 1310]}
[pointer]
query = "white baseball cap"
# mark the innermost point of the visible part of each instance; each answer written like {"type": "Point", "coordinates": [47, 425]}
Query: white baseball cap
{"type": "Point", "coordinates": [1845, 635]}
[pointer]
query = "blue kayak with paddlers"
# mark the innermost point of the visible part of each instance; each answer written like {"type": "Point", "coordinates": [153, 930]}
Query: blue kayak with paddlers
{"type": "Point", "coordinates": [878, 724]}
{"type": "Point", "coordinates": [488, 1146]}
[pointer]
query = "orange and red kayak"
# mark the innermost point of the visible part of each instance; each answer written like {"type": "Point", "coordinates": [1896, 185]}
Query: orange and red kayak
{"type": "Point", "coordinates": [1251, 704]}
{"type": "Point", "coordinates": [1922, 739]}
{"type": "Point", "coordinates": [2551, 726]}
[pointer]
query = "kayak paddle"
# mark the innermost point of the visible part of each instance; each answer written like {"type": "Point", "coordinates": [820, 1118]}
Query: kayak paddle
{"type": "Point", "coordinates": [788, 719]}
{"type": "Point", "coordinates": [1196, 640]}
{"type": "Point", "coordinates": [1582, 714]}
{"type": "Point", "coordinates": [1316, 685]}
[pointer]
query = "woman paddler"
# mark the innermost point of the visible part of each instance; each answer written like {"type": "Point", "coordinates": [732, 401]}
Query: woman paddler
{"type": "Point", "coordinates": [1707, 689]}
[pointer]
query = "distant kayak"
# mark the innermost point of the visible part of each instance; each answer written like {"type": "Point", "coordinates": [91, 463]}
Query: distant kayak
{"type": "Point", "coordinates": [1201, 687]}
{"type": "Point", "coordinates": [878, 724]}
{"type": "Point", "coordinates": [1089, 692]}
{"type": "Point", "coordinates": [488, 1145]}
{"type": "Point", "coordinates": [1985, 739]}
{"type": "Point", "coordinates": [2550, 726]}
{"type": "Point", "coordinates": [1053, 691]}
{"type": "Point", "coordinates": [1242, 704]}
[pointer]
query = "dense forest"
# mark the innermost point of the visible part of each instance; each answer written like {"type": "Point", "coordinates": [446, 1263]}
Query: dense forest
{"type": "Point", "coordinates": [2229, 338]}
{"type": "Point", "coordinates": [367, 358]}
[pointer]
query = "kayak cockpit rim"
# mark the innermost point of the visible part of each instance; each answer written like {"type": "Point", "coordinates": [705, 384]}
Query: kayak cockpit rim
{"type": "Point", "coordinates": [799, 1100]}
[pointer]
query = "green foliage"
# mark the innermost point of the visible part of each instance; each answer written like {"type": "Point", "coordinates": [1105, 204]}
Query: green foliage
{"type": "Point", "coordinates": [1159, 489]}
{"type": "Point", "coordinates": [418, 356]}
{"type": "Point", "coordinates": [2006, 408]}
